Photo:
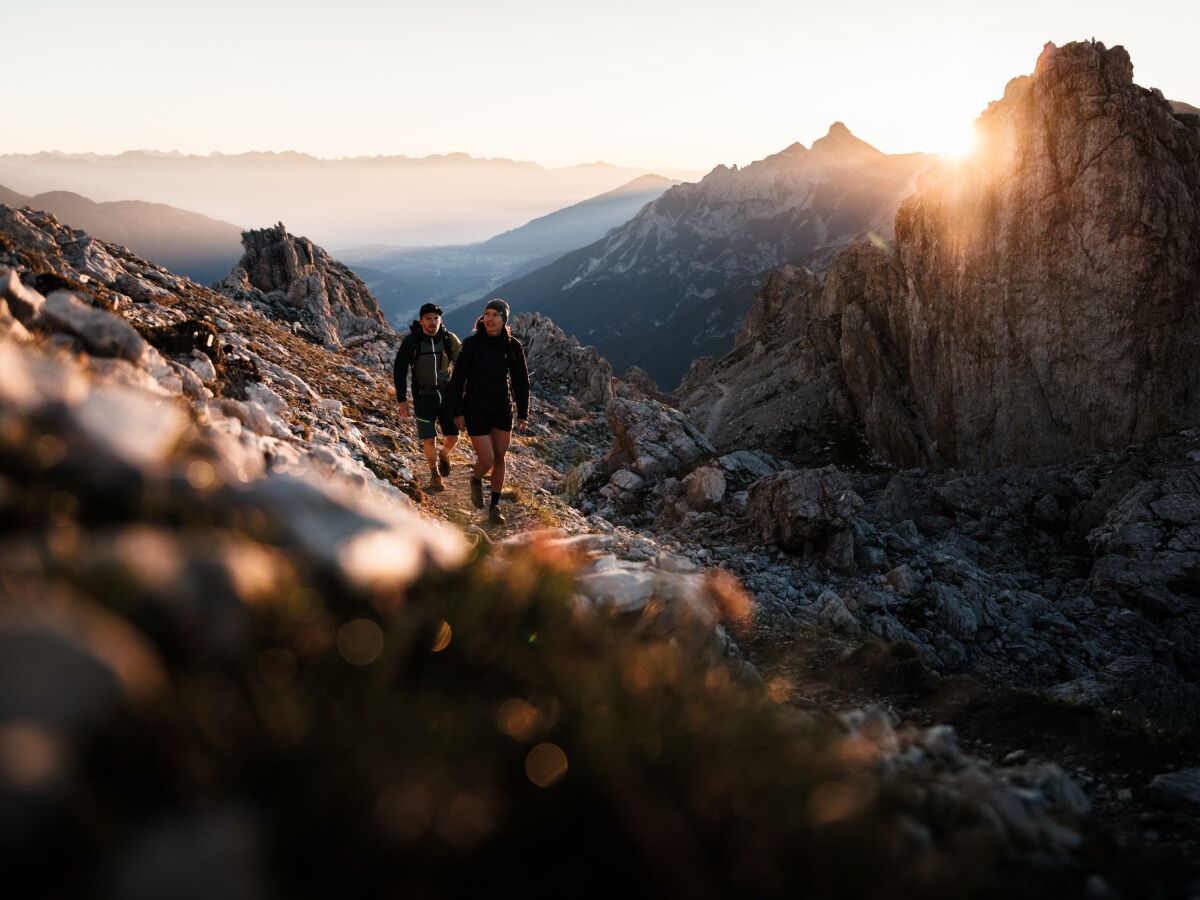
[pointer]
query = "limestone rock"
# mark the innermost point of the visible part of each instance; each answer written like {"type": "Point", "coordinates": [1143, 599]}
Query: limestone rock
{"type": "Point", "coordinates": [802, 509]}
{"type": "Point", "coordinates": [559, 365]}
{"type": "Point", "coordinates": [23, 302]}
{"type": "Point", "coordinates": [705, 488]}
{"type": "Point", "coordinates": [1040, 302]}
{"type": "Point", "coordinates": [296, 278]}
{"type": "Point", "coordinates": [102, 332]}
{"type": "Point", "coordinates": [1180, 788]}
{"type": "Point", "coordinates": [781, 387]}
{"type": "Point", "coordinates": [1044, 296]}
{"type": "Point", "coordinates": [653, 440]}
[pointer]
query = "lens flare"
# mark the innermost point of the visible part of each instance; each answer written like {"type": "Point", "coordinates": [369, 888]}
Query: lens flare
{"type": "Point", "coordinates": [958, 144]}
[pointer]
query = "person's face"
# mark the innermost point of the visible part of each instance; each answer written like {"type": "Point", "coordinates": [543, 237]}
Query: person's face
{"type": "Point", "coordinates": [493, 322]}
{"type": "Point", "coordinates": [431, 322]}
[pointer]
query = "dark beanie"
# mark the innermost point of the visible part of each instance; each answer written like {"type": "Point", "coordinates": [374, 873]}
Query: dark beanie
{"type": "Point", "coordinates": [499, 306]}
{"type": "Point", "coordinates": [430, 307]}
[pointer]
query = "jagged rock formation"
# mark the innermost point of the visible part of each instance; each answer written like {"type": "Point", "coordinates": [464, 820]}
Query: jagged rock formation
{"type": "Point", "coordinates": [673, 283]}
{"type": "Point", "coordinates": [218, 593]}
{"type": "Point", "coordinates": [559, 366]}
{"type": "Point", "coordinates": [301, 283]}
{"type": "Point", "coordinates": [1053, 300]}
{"type": "Point", "coordinates": [1043, 297]}
{"type": "Point", "coordinates": [781, 387]}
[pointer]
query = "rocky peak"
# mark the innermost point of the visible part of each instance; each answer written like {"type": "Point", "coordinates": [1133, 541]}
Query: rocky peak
{"type": "Point", "coordinates": [1052, 278]}
{"type": "Point", "coordinates": [840, 141]}
{"type": "Point", "coordinates": [302, 284]}
{"type": "Point", "coordinates": [1040, 302]}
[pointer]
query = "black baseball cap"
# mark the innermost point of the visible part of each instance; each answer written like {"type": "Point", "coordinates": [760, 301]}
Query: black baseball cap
{"type": "Point", "coordinates": [428, 308]}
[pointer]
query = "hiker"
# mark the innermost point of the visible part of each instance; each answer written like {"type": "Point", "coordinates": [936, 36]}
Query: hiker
{"type": "Point", "coordinates": [480, 394]}
{"type": "Point", "coordinates": [429, 349]}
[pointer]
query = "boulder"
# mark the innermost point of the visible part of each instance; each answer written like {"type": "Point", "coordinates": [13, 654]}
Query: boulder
{"type": "Point", "coordinates": [653, 440]}
{"type": "Point", "coordinates": [103, 333]}
{"type": "Point", "coordinates": [705, 488]}
{"type": "Point", "coordinates": [803, 510]}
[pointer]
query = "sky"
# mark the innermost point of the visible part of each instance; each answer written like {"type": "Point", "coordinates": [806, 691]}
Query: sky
{"type": "Point", "coordinates": [665, 85]}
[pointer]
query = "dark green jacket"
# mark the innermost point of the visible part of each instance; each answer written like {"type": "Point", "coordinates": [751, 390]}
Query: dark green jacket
{"type": "Point", "coordinates": [429, 358]}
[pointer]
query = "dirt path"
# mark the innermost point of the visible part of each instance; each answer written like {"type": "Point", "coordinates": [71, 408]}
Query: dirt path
{"type": "Point", "coordinates": [454, 504]}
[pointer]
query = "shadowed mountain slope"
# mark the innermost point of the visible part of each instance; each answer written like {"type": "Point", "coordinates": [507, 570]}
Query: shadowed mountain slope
{"type": "Point", "coordinates": [674, 282]}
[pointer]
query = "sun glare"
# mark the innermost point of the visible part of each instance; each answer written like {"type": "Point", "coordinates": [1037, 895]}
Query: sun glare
{"type": "Point", "coordinates": [958, 144]}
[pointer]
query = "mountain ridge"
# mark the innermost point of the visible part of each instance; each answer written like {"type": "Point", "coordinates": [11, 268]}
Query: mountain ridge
{"type": "Point", "coordinates": [711, 240]}
{"type": "Point", "coordinates": [199, 246]}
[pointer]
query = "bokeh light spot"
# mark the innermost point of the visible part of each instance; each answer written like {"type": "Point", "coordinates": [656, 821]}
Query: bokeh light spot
{"type": "Point", "coordinates": [29, 756]}
{"type": "Point", "coordinates": [546, 764]}
{"type": "Point", "coordinates": [518, 719]}
{"type": "Point", "coordinates": [442, 639]}
{"type": "Point", "coordinates": [201, 474]}
{"type": "Point", "coordinates": [360, 641]}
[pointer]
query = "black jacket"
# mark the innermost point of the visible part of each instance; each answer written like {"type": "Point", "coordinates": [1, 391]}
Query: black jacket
{"type": "Point", "coordinates": [482, 374]}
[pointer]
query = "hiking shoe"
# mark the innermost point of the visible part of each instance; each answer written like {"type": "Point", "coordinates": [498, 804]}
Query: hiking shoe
{"type": "Point", "coordinates": [494, 517]}
{"type": "Point", "coordinates": [477, 493]}
{"type": "Point", "coordinates": [443, 463]}
{"type": "Point", "coordinates": [436, 484]}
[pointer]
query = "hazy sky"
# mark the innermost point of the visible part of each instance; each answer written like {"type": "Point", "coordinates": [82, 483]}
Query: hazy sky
{"type": "Point", "coordinates": [659, 84]}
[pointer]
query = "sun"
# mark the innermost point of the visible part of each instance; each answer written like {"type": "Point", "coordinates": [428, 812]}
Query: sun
{"type": "Point", "coordinates": [958, 143]}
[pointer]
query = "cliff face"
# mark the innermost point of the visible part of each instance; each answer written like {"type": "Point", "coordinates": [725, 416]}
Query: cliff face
{"type": "Point", "coordinates": [304, 284]}
{"type": "Point", "coordinates": [1042, 297]}
{"type": "Point", "coordinates": [1051, 284]}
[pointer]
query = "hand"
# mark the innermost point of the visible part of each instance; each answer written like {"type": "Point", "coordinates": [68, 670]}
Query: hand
{"type": "Point", "coordinates": [460, 422]}
{"type": "Point", "coordinates": [522, 424]}
{"type": "Point", "coordinates": [404, 409]}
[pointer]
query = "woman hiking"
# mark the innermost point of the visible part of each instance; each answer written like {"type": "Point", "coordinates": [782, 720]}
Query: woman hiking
{"type": "Point", "coordinates": [482, 400]}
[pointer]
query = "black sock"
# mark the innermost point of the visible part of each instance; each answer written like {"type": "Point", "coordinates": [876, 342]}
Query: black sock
{"type": "Point", "coordinates": [475, 480]}
{"type": "Point", "coordinates": [495, 498]}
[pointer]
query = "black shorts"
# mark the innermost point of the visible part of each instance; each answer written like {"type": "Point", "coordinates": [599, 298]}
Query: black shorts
{"type": "Point", "coordinates": [430, 408]}
{"type": "Point", "coordinates": [480, 424]}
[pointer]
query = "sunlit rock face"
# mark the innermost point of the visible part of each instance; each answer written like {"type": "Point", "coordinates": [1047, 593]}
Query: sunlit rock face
{"type": "Point", "coordinates": [306, 285]}
{"type": "Point", "coordinates": [1048, 288]}
{"type": "Point", "coordinates": [1042, 299]}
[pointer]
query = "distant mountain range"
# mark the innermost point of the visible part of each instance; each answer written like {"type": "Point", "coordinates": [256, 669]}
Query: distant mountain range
{"type": "Point", "coordinates": [201, 248]}
{"type": "Point", "coordinates": [404, 278]}
{"type": "Point", "coordinates": [396, 200]}
{"type": "Point", "coordinates": [674, 282]}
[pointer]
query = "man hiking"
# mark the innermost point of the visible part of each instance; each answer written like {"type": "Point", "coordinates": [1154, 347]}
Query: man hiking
{"type": "Point", "coordinates": [488, 377]}
{"type": "Point", "coordinates": [429, 350]}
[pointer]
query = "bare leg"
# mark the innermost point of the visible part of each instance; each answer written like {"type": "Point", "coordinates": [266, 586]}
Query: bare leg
{"type": "Point", "coordinates": [500, 441]}
{"type": "Point", "coordinates": [484, 455]}
{"type": "Point", "coordinates": [430, 453]}
{"type": "Point", "coordinates": [449, 442]}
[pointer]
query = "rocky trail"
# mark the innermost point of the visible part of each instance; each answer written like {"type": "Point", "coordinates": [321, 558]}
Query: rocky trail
{"type": "Point", "coordinates": [521, 510]}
